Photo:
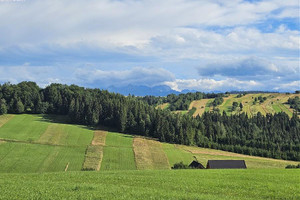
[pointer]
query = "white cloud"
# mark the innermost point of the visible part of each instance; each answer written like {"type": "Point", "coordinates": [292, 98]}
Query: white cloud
{"type": "Point", "coordinates": [135, 76]}
{"type": "Point", "coordinates": [208, 85]}
{"type": "Point", "coordinates": [121, 23]}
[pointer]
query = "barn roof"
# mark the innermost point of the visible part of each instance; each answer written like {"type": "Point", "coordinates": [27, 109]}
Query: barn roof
{"type": "Point", "coordinates": [196, 164]}
{"type": "Point", "coordinates": [226, 164]}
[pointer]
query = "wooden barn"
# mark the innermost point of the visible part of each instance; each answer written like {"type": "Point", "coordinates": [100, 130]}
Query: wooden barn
{"type": "Point", "coordinates": [226, 164]}
{"type": "Point", "coordinates": [197, 165]}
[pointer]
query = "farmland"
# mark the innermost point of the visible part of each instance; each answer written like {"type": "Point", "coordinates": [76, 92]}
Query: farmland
{"type": "Point", "coordinates": [126, 166]}
{"type": "Point", "coordinates": [48, 146]}
{"type": "Point", "coordinates": [274, 103]}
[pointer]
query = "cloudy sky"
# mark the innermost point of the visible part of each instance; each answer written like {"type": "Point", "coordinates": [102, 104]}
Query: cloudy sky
{"type": "Point", "coordinates": [203, 45]}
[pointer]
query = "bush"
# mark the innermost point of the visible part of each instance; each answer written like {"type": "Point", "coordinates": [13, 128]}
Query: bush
{"type": "Point", "coordinates": [292, 166]}
{"type": "Point", "coordinates": [180, 165]}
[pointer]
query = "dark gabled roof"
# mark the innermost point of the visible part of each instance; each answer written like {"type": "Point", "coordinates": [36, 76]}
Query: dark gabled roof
{"type": "Point", "coordinates": [226, 164]}
{"type": "Point", "coordinates": [197, 165]}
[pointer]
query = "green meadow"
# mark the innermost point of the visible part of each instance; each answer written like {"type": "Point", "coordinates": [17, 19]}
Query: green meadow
{"type": "Point", "coordinates": [118, 152]}
{"type": "Point", "coordinates": [154, 184]}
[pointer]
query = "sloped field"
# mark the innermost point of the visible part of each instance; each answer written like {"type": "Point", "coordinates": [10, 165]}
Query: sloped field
{"type": "Point", "coordinates": [48, 146]}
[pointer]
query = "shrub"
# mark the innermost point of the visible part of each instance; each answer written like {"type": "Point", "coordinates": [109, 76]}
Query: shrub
{"type": "Point", "coordinates": [292, 166]}
{"type": "Point", "coordinates": [180, 165]}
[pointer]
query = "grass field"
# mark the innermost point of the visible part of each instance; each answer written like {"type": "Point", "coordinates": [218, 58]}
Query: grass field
{"type": "Point", "coordinates": [63, 146]}
{"type": "Point", "coordinates": [163, 106]}
{"type": "Point", "coordinates": [154, 184]}
{"type": "Point", "coordinates": [48, 166]}
{"type": "Point", "coordinates": [33, 143]}
{"type": "Point", "coordinates": [149, 154]}
{"type": "Point", "coordinates": [24, 158]}
{"type": "Point", "coordinates": [118, 152]}
{"type": "Point", "coordinates": [24, 127]}
{"type": "Point", "coordinates": [186, 154]}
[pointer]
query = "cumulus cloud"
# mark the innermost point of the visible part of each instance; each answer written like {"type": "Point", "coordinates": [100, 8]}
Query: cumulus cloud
{"type": "Point", "coordinates": [50, 41]}
{"type": "Point", "coordinates": [249, 67]}
{"type": "Point", "coordinates": [135, 76]}
{"type": "Point", "coordinates": [208, 85]}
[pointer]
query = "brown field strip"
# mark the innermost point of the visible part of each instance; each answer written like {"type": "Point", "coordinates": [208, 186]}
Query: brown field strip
{"type": "Point", "coordinates": [163, 106]}
{"type": "Point", "coordinates": [149, 154]}
{"type": "Point", "coordinates": [53, 135]}
{"type": "Point", "coordinates": [199, 105]}
{"type": "Point", "coordinates": [93, 158]}
{"type": "Point", "coordinates": [5, 118]}
{"type": "Point", "coordinates": [99, 137]}
{"type": "Point", "coordinates": [94, 152]}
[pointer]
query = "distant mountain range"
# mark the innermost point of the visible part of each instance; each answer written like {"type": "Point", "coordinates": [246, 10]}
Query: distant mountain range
{"type": "Point", "coordinates": [141, 90]}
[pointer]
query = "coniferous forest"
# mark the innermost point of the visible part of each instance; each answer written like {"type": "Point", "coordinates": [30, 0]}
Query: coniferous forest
{"type": "Point", "coordinates": [275, 136]}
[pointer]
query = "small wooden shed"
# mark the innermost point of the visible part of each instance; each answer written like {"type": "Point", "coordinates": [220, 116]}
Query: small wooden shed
{"type": "Point", "coordinates": [226, 164]}
{"type": "Point", "coordinates": [197, 165]}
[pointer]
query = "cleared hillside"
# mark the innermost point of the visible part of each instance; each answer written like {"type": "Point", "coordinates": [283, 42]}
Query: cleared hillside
{"type": "Point", "coordinates": [273, 103]}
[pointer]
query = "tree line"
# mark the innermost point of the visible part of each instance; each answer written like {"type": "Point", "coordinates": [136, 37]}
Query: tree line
{"type": "Point", "coordinates": [275, 136]}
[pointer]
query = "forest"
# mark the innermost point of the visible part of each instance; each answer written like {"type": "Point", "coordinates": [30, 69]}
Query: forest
{"type": "Point", "coordinates": [273, 135]}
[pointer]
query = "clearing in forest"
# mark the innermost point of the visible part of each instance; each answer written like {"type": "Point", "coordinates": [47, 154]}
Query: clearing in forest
{"type": "Point", "coordinates": [199, 105]}
{"type": "Point", "coordinates": [149, 154]}
{"type": "Point", "coordinates": [163, 106]}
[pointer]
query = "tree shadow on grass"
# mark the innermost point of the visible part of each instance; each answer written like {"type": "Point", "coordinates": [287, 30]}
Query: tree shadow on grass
{"type": "Point", "coordinates": [61, 119]}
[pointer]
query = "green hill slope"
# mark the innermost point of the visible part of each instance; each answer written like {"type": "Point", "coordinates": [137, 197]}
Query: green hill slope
{"type": "Point", "coordinates": [42, 143]}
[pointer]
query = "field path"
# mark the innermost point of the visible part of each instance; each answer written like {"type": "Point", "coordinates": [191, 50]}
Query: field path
{"type": "Point", "coordinates": [149, 154]}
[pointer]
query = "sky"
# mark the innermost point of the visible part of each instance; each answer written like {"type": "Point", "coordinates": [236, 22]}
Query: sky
{"type": "Point", "coordinates": [203, 45]}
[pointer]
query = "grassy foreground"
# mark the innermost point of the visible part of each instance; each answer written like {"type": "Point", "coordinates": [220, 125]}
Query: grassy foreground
{"type": "Point", "coordinates": [154, 184]}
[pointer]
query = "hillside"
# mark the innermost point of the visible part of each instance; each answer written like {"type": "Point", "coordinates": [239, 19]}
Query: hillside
{"type": "Point", "coordinates": [274, 136]}
{"type": "Point", "coordinates": [273, 103]}
{"type": "Point", "coordinates": [47, 143]}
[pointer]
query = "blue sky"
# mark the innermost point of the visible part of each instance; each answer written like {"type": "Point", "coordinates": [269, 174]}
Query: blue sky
{"type": "Point", "coordinates": [184, 44]}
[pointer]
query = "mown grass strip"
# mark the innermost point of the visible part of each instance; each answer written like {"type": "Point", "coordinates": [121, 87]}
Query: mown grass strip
{"type": "Point", "coordinates": [118, 152]}
{"type": "Point", "coordinates": [4, 119]}
{"type": "Point", "coordinates": [149, 154]}
{"type": "Point", "coordinates": [24, 158]}
{"type": "Point", "coordinates": [24, 127]}
{"type": "Point", "coordinates": [65, 134]}
{"type": "Point", "coordinates": [176, 155]}
{"type": "Point", "coordinates": [117, 158]}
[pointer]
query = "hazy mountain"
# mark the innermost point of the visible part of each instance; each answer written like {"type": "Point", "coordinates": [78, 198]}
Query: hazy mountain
{"type": "Point", "coordinates": [141, 90]}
